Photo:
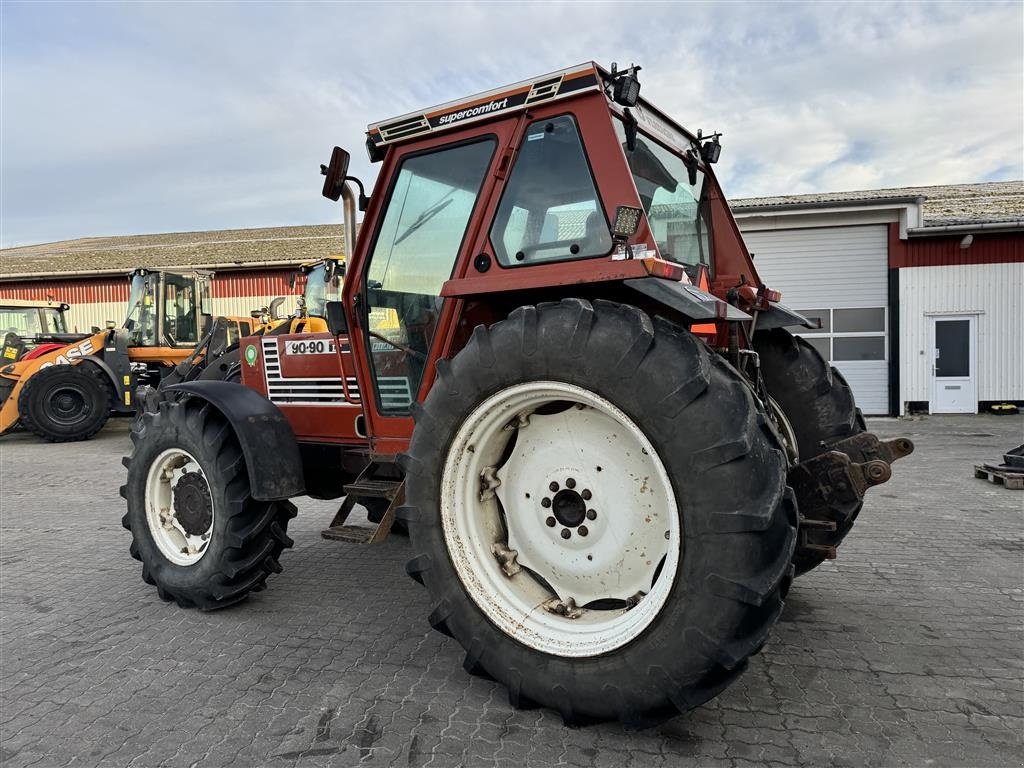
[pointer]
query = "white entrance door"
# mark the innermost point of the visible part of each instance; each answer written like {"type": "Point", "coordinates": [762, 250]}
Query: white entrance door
{"type": "Point", "coordinates": [953, 369]}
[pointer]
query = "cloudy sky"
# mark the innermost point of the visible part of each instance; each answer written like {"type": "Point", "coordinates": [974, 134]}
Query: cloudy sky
{"type": "Point", "coordinates": [133, 118]}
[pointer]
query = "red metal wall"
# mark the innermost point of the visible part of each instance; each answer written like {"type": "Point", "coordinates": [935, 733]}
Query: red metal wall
{"type": "Point", "coordinates": [996, 248]}
{"type": "Point", "coordinates": [94, 290]}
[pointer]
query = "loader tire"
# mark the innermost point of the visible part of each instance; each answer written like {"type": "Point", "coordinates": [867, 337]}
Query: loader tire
{"type": "Point", "coordinates": [222, 544]}
{"type": "Point", "coordinates": [616, 453]}
{"type": "Point", "coordinates": [65, 403]}
{"type": "Point", "coordinates": [819, 405]}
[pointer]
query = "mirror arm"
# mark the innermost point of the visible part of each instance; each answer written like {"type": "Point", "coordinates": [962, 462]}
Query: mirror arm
{"type": "Point", "coordinates": [364, 201]}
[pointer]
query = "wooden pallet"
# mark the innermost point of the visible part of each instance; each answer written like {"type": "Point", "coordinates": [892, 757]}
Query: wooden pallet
{"type": "Point", "coordinates": [1012, 480]}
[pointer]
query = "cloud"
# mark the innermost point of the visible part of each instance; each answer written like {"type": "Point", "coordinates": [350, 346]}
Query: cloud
{"type": "Point", "coordinates": [121, 118]}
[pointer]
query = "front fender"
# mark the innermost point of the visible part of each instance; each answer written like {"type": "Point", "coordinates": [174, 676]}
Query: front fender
{"type": "Point", "coordinates": [268, 442]}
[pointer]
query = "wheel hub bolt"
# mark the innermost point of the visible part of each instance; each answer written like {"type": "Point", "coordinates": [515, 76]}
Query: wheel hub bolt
{"type": "Point", "coordinates": [566, 533]}
{"type": "Point", "coordinates": [591, 514]}
{"type": "Point", "coordinates": [545, 502]}
{"type": "Point", "coordinates": [582, 530]}
{"type": "Point", "coordinates": [551, 522]}
{"type": "Point", "coordinates": [586, 494]}
{"type": "Point", "coordinates": [553, 486]}
{"type": "Point", "coordinates": [570, 483]}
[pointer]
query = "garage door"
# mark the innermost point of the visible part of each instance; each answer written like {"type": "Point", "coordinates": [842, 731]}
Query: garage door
{"type": "Point", "coordinates": [840, 275]}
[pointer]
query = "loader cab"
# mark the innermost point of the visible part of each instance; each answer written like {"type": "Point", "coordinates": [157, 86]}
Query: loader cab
{"type": "Point", "coordinates": [32, 320]}
{"type": "Point", "coordinates": [168, 309]}
{"type": "Point", "coordinates": [323, 281]}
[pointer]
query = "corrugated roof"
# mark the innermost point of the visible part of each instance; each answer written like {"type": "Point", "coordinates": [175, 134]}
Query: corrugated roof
{"type": "Point", "coordinates": [943, 205]}
{"type": "Point", "coordinates": [233, 248]}
{"type": "Point", "coordinates": [221, 248]}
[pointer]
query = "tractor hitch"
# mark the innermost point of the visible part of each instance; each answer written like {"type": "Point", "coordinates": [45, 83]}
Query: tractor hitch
{"type": "Point", "coordinates": [837, 480]}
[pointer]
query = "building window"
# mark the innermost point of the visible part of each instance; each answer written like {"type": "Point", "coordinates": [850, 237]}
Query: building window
{"type": "Point", "coordinates": [846, 335]}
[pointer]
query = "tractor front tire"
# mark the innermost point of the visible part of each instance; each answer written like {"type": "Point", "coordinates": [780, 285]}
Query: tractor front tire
{"type": "Point", "coordinates": [65, 403]}
{"type": "Point", "coordinates": [204, 542]}
{"type": "Point", "coordinates": [599, 510]}
{"type": "Point", "coordinates": [818, 403]}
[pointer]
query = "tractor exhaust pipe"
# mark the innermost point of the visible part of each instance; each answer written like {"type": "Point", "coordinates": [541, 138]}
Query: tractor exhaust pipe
{"type": "Point", "coordinates": [348, 201]}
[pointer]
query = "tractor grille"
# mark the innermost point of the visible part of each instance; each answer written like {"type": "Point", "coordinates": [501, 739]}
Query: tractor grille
{"type": "Point", "coordinates": [308, 391]}
{"type": "Point", "coordinates": [395, 392]}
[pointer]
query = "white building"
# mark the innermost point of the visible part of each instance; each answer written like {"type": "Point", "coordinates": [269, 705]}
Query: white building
{"type": "Point", "coordinates": [920, 290]}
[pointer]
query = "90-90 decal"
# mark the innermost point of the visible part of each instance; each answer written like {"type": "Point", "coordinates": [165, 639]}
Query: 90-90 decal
{"type": "Point", "coordinates": [311, 347]}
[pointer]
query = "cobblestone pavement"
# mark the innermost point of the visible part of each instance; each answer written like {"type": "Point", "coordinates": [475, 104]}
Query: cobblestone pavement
{"type": "Point", "coordinates": [905, 651]}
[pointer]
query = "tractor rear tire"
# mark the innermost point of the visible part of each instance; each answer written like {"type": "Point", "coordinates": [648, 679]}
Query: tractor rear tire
{"type": "Point", "coordinates": [685, 447]}
{"type": "Point", "coordinates": [819, 405]}
{"type": "Point", "coordinates": [65, 403]}
{"type": "Point", "coordinates": [219, 544]}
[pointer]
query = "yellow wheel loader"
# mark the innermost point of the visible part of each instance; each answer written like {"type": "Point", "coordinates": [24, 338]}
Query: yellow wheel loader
{"type": "Point", "coordinates": [218, 356]}
{"type": "Point", "coordinates": [66, 388]}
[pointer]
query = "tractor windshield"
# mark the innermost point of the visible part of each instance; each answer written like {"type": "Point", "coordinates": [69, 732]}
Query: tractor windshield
{"type": "Point", "coordinates": [142, 321]}
{"type": "Point", "coordinates": [673, 195]}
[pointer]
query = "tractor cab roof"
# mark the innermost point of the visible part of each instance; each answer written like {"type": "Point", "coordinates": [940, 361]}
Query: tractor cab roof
{"type": "Point", "coordinates": [511, 99]}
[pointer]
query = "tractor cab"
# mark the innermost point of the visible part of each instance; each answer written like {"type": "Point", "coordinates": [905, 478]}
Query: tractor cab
{"type": "Point", "coordinates": [168, 309]}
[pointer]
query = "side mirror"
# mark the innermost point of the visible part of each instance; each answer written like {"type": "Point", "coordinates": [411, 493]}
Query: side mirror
{"type": "Point", "coordinates": [335, 173]}
{"type": "Point", "coordinates": [336, 322]}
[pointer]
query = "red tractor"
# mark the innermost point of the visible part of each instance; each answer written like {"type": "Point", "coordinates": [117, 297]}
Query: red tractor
{"type": "Point", "coordinates": [555, 364]}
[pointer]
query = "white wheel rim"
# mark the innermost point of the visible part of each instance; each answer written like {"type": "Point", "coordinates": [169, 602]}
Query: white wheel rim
{"type": "Point", "coordinates": [630, 551]}
{"type": "Point", "coordinates": [174, 533]}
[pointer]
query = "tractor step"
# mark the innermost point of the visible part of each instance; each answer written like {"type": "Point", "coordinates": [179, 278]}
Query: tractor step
{"type": "Point", "coordinates": [365, 487]}
{"type": "Point", "coordinates": [353, 534]}
{"type": "Point", "coordinates": [1011, 480]}
{"type": "Point", "coordinates": [373, 489]}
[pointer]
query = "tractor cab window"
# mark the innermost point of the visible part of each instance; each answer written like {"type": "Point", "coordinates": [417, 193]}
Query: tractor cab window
{"type": "Point", "coordinates": [414, 254]}
{"type": "Point", "coordinates": [180, 312]}
{"type": "Point", "coordinates": [674, 196]}
{"type": "Point", "coordinates": [550, 210]}
{"type": "Point", "coordinates": [141, 322]}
